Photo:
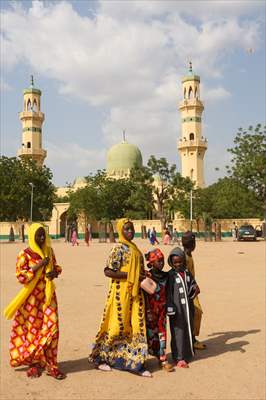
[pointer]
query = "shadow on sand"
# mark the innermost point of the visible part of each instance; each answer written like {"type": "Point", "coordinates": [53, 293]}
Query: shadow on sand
{"type": "Point", "coordinates": [72, 366]}
{"type": "Point", "coordinates": [217, 343]}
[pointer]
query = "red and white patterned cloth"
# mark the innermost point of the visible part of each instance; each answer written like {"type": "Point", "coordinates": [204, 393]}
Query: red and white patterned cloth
{"type": "Point", "coordinates": [35, 331]}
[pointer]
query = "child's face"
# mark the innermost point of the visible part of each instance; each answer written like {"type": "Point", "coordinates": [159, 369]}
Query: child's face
{"type": "Point", "coordinates": [177, 262]}
{"type": "Point", "coordinates": [158, 264]}
{"type": "Point", "coordinates": [190, 246]}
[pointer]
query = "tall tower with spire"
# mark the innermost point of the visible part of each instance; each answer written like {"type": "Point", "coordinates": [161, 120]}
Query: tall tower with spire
{"type": "Point", "coordinates": [32, 119]}
{"type": "Point", "coordinates": [192, 145]}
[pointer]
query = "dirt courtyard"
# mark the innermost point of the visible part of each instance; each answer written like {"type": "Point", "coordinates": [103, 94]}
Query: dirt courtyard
{"type": "Point", "coordinates": [231, 276]}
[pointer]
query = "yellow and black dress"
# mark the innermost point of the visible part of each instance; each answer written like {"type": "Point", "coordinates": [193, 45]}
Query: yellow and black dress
{"type": "Point", "coordinates": [121, 340]}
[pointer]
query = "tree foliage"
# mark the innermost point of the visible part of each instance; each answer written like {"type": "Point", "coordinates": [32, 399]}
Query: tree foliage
{"type": "Point", "coordinates": [15, 196]}
{"type": "Point", "coordinates": [170, 188]}
{"type": "Point", "coordinates": [102, 198]}
{"type": "Point", "coordinates": [227, 198]}
{"type": "Point", "coordinates": [249, 159]}
{"type": "Point", "coordinates": [140, 203]}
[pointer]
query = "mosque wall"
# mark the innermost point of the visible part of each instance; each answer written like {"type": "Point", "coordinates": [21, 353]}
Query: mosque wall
{"type": "Point", "coordinates": [181, 225]}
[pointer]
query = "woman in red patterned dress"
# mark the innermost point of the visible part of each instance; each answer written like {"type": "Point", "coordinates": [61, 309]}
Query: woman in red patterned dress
{"type": "Point", "coordinates": [34, 334]}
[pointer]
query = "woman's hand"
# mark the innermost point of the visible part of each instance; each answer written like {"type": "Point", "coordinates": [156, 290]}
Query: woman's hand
{"type": "Point", "coordinates": [194, 292]}
{"type": "Point", "coordinates": [45, 261]}
{"type": "Point", "coordinates": [42, 263]}
{"type": "Point", "coordinates": [51, 275]}
{"type": "Point", "coordinates": [110, 273]}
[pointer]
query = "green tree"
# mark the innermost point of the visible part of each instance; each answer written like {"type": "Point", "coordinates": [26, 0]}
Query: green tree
{"type": "Point", "coordinates": [170, 188]}
{"type": "Point", "coordinates": [227, 198]}
{"type": "Point", "coordinates": [15, 196]}
{"type": "Point", "coordinates": [103, 199]}
{"type": "Point", "coordinates": [140, 203]}
{"type": "Point", "coordinates": [249, 159]}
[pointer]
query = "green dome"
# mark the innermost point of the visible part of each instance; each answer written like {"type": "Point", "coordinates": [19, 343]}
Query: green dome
{"type": "Point", "coordinates": [121, 158]}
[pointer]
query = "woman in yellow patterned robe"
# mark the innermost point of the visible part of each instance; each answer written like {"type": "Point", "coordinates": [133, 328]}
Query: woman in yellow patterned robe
{"type": "Point", "coordinates": [121, 341]}
{"type": "Point", "coordinates": [35, 332]}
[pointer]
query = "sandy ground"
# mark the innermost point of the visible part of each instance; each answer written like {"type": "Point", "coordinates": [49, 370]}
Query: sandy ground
{"type": "Point", "coordinates": [232, 280]}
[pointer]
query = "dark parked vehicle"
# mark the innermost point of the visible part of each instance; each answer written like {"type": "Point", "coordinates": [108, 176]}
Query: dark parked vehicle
{"type": "Point", "coordinates": [246, 232]}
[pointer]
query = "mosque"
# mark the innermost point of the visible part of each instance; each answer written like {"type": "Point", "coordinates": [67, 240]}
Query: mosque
{"type": "Point", "coordinates": [121, 157]}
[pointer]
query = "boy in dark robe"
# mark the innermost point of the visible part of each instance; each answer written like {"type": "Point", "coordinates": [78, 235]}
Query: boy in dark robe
{"type": "Point", "coordinates": [180, 292]}
{"type": "Point", "coordinates": [189, 245]}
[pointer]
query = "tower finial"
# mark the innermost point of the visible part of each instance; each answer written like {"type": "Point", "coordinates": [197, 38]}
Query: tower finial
{"type": "Point", "coordinates": [124, 135]}
{"type": "Point", "coordinates": [31, 80]}
{"type": "Point", "coordinates": [190, 66]}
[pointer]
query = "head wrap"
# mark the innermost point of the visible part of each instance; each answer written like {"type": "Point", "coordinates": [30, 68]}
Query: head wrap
{"type": "Point", "coordinates": [24, 293]}
{"type": "Point", "coordinates": [177, 251]}
{"type": "Point", "coordinates": [188, 237]}
{"type": "Point", "coordinates": [43, 252]}
{"type": "Point", "coordinates": [134, 264]}
{"type": "Point", "coordinates": [153, 255]}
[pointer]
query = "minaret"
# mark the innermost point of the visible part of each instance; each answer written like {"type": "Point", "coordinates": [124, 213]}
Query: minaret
{"type": "Point", "coordinates": [32, 119]}
{"type": "Point", "coordinates": [192, 145]}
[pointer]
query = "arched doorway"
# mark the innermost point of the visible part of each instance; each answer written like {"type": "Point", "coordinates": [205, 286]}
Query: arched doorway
{"type": "Point", "coordinates": [63, 223]}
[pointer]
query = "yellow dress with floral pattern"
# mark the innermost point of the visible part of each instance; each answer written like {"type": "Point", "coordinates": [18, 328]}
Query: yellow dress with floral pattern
{"type": "Point", "coordinates": [121, 340]}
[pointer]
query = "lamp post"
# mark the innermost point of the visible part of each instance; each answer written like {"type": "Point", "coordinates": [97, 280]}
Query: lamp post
{"type": "Point", "coordinates": [191, 210]}
{"type": "Point", "coordinates": [31, 200]}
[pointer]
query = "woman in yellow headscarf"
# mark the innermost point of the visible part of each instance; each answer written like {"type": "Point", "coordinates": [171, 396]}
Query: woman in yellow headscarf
{"type": "Point", "coordinates": [121, 341]}
{"type": "Point", "coordinates": [34, 334]}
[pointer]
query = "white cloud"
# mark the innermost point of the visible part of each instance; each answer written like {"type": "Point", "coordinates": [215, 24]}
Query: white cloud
{"type": "Point", "coordinates": [129, 58]}
{"type": "Point", "coordinates": [67, 155]}
{"type": "Point", "coordinates": [199, 10]}
{"type": "Point", "coordinates": [215, 94]}
{"type": "Point", "coordinates": [4, 86]}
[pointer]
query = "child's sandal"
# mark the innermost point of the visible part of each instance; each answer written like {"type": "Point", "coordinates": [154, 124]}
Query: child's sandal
{"type": "Point", "coordinates": [182, 364]}
{"type": "Point", "coordinates": [55, 373]}
{"type": "Point", "coordinates": [167, 367]}
{"type": "Point", "coordinates": [145, 374]}
{"type": "Point", "coordinates": [34, 372]}
{"type": "Point", "coordinates": [104, 367]}
{"type": "Point", "coordinates": [199, 345]}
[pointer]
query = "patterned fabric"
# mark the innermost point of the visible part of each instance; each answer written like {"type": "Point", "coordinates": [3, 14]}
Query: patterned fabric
{"type": "Point", "coordinates": [154, 255]}
{"type": "Point", "coordinates": [196, 302]}
{"type": "Point", "coordinates": [121, 340]}
{"type": "Point", "coordinates": [156, 319]}
{"type": "Point", "coordinates": [180, 289]}
{"type": "Point", "coordinates": [28, 287]}
{"type": "Point", "coordinates": [34, 334]}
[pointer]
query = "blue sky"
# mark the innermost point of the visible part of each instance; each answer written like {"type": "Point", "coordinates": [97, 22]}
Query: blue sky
{"type": "Point", "coordinates": [105, 66]}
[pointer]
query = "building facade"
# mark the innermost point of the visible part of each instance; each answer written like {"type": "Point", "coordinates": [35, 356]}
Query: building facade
{"type": "Point", "coordinates": [192, 145]}
{"type": "Point", "coordinates": [32, 119]}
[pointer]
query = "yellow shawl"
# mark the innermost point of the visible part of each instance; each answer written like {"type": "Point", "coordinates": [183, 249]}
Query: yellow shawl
{"type": "Point", "coordinates": [135, 256]}
{"type": "Point", "coordinates": [24, 293]}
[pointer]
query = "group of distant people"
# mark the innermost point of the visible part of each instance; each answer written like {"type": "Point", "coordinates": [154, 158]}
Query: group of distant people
{"type": "Point", "coordinates": [72, 234]}
{"type": "Point", "coordinates": [134, 319]}
{"type": "Point", "coordinates": [168, 236]}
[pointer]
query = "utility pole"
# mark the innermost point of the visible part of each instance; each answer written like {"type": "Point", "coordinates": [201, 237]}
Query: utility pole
{"type": "Point", "coordinates": [191, 210]}
{"type": "Point", "coordinates": [31, 200]}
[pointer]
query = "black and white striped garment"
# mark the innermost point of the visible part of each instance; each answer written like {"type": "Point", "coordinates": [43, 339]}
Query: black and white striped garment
{"type": "Point", "coordinates": [180, 288]}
